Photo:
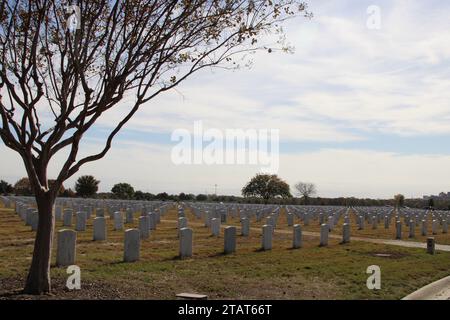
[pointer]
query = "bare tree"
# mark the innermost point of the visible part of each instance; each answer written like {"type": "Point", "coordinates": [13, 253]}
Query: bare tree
{"type": "Point", "coordinates": [306, 190]}
{"type": "Point", "coordinates": [62, 68]}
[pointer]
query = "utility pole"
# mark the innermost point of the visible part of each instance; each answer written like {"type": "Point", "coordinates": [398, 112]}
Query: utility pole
{"type": "Point", "coordinates": [215, 189]}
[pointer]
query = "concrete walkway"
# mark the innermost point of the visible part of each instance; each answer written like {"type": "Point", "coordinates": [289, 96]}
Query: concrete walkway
{"type": "Point", "coordinates": [400, 243]}
{"type": "Point", "coordinates": [439, 290]}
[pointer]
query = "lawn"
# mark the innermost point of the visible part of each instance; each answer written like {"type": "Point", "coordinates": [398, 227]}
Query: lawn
{"type": "Point", "coordinates": [334, 272]}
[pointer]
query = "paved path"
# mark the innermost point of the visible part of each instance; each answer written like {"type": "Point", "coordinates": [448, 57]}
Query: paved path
{"type": "Point", "coordinates": [401, 243]}
{"type": "Point", "coordinates": [439, 290]}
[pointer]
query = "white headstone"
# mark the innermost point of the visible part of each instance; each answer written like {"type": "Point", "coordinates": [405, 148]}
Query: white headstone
{"type": "Point", "coordinates": [143, 227]}
{"type": "Point", "coordinates": [81, 221]}
{"type": "Point", "coordinates": [230, 240]}
{"type": "Point", "coordinates": [99, 229]}
{"type": "Point", "coordinates": [267, 232]}
{"type": "Point", "coordinates": [118, 221]}
{"type": "Point", "coordinates": [186, 243]}
{"type": "Point", "coordinates": [67, 218]}
{"type": "Point", "coordinates": [324, 230]}
{"type": "Point", "coordinates": [245, 227]}
{"type": "Point", "coordinates": [132, 245]}
{"type": "Point", "coordinates": [290, 219]}
{"type": "Point", "coordinates": [66, 244]}
{"type": "Point", "coordinates": [297, 237]}
{"type": "Point", "coordinates": [215, 227]}
{"type": "Point", "coordinates": [346, 233]}
{"type": "Point", "coordinates": [398, 230]}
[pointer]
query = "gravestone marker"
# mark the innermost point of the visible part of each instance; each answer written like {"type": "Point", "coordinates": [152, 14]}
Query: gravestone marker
{"type": "Point", "coordinates": [346, 233]}
{"type": "Point", "coordinates": [99, 229]}
{"type": "Point", "coordinates": [297, 237]}
{"type": "Point", "coordinates": [229, 240]}
{"type": "Point", "coordinates": [267, 232]}
{"type": "Point", "coordinates": [67, 218]}
{"type": "Point", "coordinates": [118, 221]}
{"type": "Point", "coordinates": [398, 230]}
{"type": "Point", "coordinates": [324, 230]}
{"type": "Point", "coordinates": [245, 227]}
{"type": "Point", "coordinates": [66, 244]}
{"type": "Point", "coordinates": [132, 245]}
{"type": "Point", "coordinates": [144, 229]}
{"type": "Point", "coordinates": [81, 221]}
{"type": "Point", "coordinates": [186, 243]}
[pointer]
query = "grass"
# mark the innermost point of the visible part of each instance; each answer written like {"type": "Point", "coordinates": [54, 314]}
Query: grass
{"type": "Point", "coordinates": [333, 272]}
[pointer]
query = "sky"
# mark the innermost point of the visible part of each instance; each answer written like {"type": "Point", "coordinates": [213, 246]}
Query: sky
{"type": "Point", "coordinates": [361, 111]}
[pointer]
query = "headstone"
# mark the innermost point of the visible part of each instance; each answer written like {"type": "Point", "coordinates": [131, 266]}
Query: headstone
{"type": "Point", "coordinates": [346, 233]}
{"type": "Point", "coordinates": [374, 223]}
{"type": "Point", "coordinates": [431, 246]}
{"type": "Point", "coordinates": [132, 245]}
{"type": "Point", "coordinates": [29, 216]}
{"type": "Point", "coordinates": [186, 243]}
{"type": "Point", "coordinates": [434, 226]}
{"type": "Point", "coordinates": [152, 220]}
{"type": "Point", "coordinates": [306, 220]}
{"type": "Point", "coordinates": [245, 227]}
{"type": "Point", "coordinates": [445, 226]}
{"type": "Point", "coordinates": [424, 228]}
{"type": "Point", "coordinates": [412, 228]}
{"type": "Point", "coordinates": [58, 213]}
{"type": "Point", "coordinates": [324, 230]}
{"type": "Point", "coordinates": [386, 222]}
{"type": "Point", "coordinates": [129, 218]}
{"type": "Point", "coordinates": [361, 223]}
{"type": "Point", "coordinates": [66, 244]}
{"type": "Point", "coordinates": [267, 232]}
{"type": "Point", "coordinates": [99, 229]}
{"type": "Point", "coordinates": [398, 230]}
{"type": "Point", "coordinates": [67, 218]}
{"type": "Point", "coordinates": [34, 220]}
{"type": "Point", "coordinates": [330, 223]}
{"type": "Point", "coordinates": [144, 229]}
{"type": "Point", "coordinates": [118, 221]}
{"type": "Point", "coordinates": [297, 237]}
{"type": "Point", "coordinates": [215, 227]}
{"type": "Point", "coordinates": [81, 221]}
{"type": "Point", "coordinates": [229, 240]}
{"type": "Point", "coordinates": [290, 219]}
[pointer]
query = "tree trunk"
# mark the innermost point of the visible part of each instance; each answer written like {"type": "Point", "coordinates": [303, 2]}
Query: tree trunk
{"type": "Point", "coordinates": [38, 280]}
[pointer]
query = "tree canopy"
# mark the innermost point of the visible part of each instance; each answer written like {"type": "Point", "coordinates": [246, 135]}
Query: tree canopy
{"type": "Point", "coordinates": [266, 186]}
{"type": "Point", "coordinates": [86, 186]}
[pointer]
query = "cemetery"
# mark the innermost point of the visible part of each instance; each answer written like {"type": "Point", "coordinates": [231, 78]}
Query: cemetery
{"type": "Point", "coordinates": [156, 250]}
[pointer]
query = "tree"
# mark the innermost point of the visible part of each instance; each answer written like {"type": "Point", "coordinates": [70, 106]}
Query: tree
{"type": "Point", "coordinates": [162, 196]}
{"type": "Point", "coordinates": [306, 190]}
{"type": "Point", "coordinates": [23, 188]}
{"type": "Point", "coordinates": [266, 186]}
{"type": "Point", "coordinates": [431, 203]}
{"type": "Point", "coordinates": [123, 191]}
{"type": "Point", "coordinates": [5, 187]}
{"type": "Point", "coordinates": [86, 186]}
{"type": "Point", "coordinates": [78, 66]}
{"type": "Point", "coordinates": [201, 197]}
{"type": "Point", "coordinates": [399, 200]}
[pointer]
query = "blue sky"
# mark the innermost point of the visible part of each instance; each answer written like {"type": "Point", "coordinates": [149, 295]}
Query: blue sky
{"type": "Point", "coordinates": [361, 112]}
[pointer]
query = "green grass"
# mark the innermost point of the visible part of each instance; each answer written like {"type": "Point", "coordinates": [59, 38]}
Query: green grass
{"type": "Point", "coordinates": [333, 272]}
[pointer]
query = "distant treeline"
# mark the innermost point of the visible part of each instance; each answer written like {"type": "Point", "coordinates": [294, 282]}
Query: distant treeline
{"type": "Point", "coordinates": [22, 188]}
